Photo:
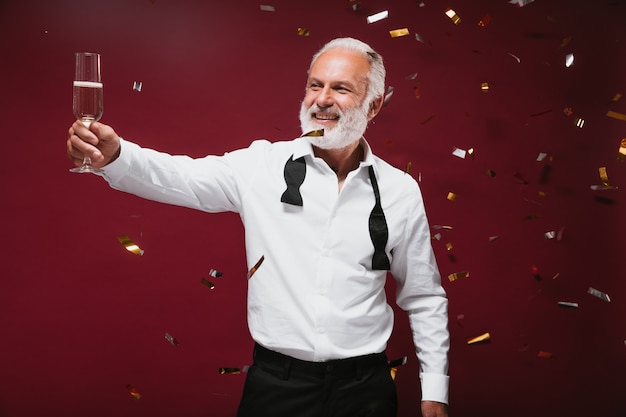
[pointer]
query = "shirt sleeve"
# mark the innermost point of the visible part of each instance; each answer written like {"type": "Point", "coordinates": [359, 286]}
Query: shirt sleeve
{"type": "Point", "coordinates": [421, 295]}
{"type": "Point", "coordinates": [207, 184]}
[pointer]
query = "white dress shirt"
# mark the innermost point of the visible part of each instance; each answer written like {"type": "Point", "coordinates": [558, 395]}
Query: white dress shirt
{"type": "Point", "coordinates": [315, 296]}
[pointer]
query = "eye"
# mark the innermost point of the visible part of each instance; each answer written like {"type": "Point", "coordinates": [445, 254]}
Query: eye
{"type": "Point", "coordinates": [314, 86]}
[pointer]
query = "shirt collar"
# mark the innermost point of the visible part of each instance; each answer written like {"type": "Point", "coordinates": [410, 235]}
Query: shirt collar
{"type": "Point", "coordinates": [302, 147]}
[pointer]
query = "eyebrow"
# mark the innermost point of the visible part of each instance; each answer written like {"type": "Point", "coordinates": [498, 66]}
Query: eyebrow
{"type": "Point", "coordinates": [339, 82]}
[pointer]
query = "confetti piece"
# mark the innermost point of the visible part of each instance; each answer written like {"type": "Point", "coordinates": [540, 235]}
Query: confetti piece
{"type": "Point", "coordinates": [599, 294]}
{"type": "Point", "coordinates": [545, 355]}
{"type": "Point", "coordinates": [207, 283]}
{"type": "Point", "coordinates": [567, 304]}
{"type": "Point", "coordinates": [459, 152]}
{"type": "Point", "coordinates": [130, 246]}
{"type": "Point", "coordinates": [531, 217]}
{"type": "Point", "coordinates": [515, 57]}
{"type": "Point", "coordinates": [214, 273]}
{"type": "Point", "coordinates": [521, 3]}
{"type": "Point", "coordinates": [396, 33]}
{"type": "Point", "coordinates": [541, 156]}
{"type": "Point", "coordinates": [229, 371]}
{"type": "Point", "coordinates": [408, 168]}
{"type": "Point", "coordinates": [616, 115]}
{"type": "Point", "coordinates": [449, 246]}
{"type": "Point", "coordinates": [492, 238]}
{"type": "Point", "coordinates": [451, 196]}
{"type": "Point", "coordinates": [133, 392]}
{"type": "Point", "coordinates": [520, 178]}
{"type": "Point", "coordinates": [303, 32]}
{"type": "Point", "coordinates": [416, 92]}
{"type": "Point", "coordinates": [550, 235]}
{"type": "Point", "coordinates": [411, 76]}
{"type": "Point", "coordinates": [388, 95]}
{"type": "Point", "coordinates": [173, 341]}
{"type": "Point", "coordinates": [566, 41]}
{"type": "Point", "coordinates": [137, 86]}
{"type": "Point", "coordinates": [604, 176]}
{"type": "Point", "coordinates": [453, 16]}
{"type": "Point", "coordinates": [569, 60]}
{"type": "Point", "coordinates": [616, 97]}
{"type": "Point", "coordinates": [419, 38]}
{"type": "Point", "coordinates": [428, 119]}
{"type": "Point", "coordinates": [484, 87]}
{"type": "Point", "coordinates": [267, 8]}
{"type": "Point", "coordinates": [436, 236]}
{"type": "Point", "coordinates": [314, 133]}
{"type": "Point", "coordinates": [398, 362]}
{"type": "Point", "coordinates": [437, 226]}
{"type": "Point", "coordinates": [484, 21]}
{"type": "Point", "coordinates": [622, 150]}
{"type": "Point", "coordinates": [579, 122]}
{"type": "Point", "coordinates": [256, 266]}
{"type": "Point", "coordinates": [541, 113]}
{"type": "Point", "coordinates": [556, 275]}
{"type": "Point", "coordinates": [535, 272]}
{"type": "Point", "coordinates": [491, 173]}
{"type": "Point", "coordinates": [378, 16]}
{"type": "Point", "coordinates": [568, 111]}
{"type": "Point", "coordinates": [458, 275]}
{"type": "Point", "coordinates": [356, 7]}
{"type": "Point", "coordinates": [483, 338]}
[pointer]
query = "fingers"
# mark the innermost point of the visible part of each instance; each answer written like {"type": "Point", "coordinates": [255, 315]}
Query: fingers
{"type": "Point", "coordinates": [78, 148]}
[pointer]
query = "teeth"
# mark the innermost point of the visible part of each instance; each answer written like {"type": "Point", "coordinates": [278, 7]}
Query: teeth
{"type": "Point", "coordinates": [325, 116]}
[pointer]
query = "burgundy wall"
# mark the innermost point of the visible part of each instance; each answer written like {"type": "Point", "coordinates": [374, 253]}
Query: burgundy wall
{"type": "Point", "coordinates": [81, 317]}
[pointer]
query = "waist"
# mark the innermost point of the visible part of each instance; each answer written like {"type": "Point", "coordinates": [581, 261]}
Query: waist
{"type": "Point", "coordinates": [348, 366]}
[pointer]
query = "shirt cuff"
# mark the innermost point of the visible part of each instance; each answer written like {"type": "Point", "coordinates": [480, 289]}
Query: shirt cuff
{"type": "Point", "coordinates": [121, 164]}
{"type": "Point", "coordinates": [434, 387]}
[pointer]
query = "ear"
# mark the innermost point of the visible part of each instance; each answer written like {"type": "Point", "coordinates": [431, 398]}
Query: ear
{"type": "Point", "coordinates": [375, 107]}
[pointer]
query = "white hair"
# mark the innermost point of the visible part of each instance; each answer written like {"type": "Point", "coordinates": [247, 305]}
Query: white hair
{"type": "Point", "coordinates": [376, 74]}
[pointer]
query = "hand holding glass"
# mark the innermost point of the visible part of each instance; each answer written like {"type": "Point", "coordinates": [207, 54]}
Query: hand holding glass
{"type": "Point", "coordinates": [87, 101]}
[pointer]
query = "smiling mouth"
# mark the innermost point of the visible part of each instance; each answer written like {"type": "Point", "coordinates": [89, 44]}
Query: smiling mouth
{"type": "Point", "coordinates": [325, 116]}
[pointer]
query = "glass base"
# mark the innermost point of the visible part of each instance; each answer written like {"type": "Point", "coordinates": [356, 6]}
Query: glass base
{"type": "Point", "coordinates": [85, 169]}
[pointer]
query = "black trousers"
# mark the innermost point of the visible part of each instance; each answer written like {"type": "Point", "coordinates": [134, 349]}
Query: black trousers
{"type": "Point", "coordinates": [280, 386]}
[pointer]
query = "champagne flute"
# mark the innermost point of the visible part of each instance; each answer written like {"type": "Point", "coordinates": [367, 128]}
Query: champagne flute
{"type": "Point", "coordinates": [87, 102]}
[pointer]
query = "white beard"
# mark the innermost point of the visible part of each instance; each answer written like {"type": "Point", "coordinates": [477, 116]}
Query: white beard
{"type": "Point", "coordinates": [350, 126]}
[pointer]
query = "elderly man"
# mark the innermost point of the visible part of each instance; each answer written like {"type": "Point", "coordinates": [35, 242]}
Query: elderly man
{"type": "Point", "coordinates": [330, 219]}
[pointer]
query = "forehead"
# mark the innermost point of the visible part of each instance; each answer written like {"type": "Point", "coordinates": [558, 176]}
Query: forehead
{"type": "Point", "coordinates": [340, 65]}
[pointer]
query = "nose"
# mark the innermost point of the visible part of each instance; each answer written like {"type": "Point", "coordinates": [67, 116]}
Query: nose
{"type": "Point", "coordinates": [325, 98]}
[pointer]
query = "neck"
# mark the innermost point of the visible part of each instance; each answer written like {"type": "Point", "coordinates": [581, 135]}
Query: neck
{"type": "Point", "coordinates": [343, 160]}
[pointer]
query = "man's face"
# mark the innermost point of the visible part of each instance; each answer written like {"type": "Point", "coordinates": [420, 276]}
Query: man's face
{"type": "Point", "coordinates": [335, 99]}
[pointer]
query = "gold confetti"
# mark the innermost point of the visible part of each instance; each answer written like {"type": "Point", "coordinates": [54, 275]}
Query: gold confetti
{"type": "Point", "coordinates": [396, 33]}
{"type": "Point", "coordinates": [616, 97]}
{"type": "Point", "coordinates": [483, 338]}
{"type": "Point", "coordinates": [458, 275]}
{"type": "Point", "coordinates": [451, 196]}
{"type": "Point", "coordinates": [556, 275]}
{"type": "Point", "coordinates": [267, 8]}
{"type": "Point", "coordinates": [129, 245]}
{"type": "Point", "coordinates": [604, 176]}
{"type": "Point", "coordinates": [416, 92]}
{"type": "Point", "coordinates": [208, 283]}
{"type": "Point", "coordinates": [622, 150]}
{"type": "Point", "coordinates": [491, 173]}
{"type": "Point", "coordinates": [408, 168]}
{"type": "Point", "coordinates": [315, 133]}
{"type": "Point", "coordinates": [484, 21]}
{"type": "Point", "coordinates": [229, 371]}
{"type": "Point", "coordinates": [437, 226]}
{"type": "Point", "coordinates": [173, 341]}
{"type": "Point", "coordinates": [304, 32]}
{"type": "Point", "coordinates": [616, 115]}
{"type": "Point", "coordinates": [453, 16]}
{"type": "Point", "coordinates": [378, 16]}
{"type": "Point", "coordinates": [133, 392]}
{"type": "Point", "coordinates": [492, 238]}
{"type": "Point", "coordinates": [449, 246]}
{"type": "Point", "coordinates": [256, 266]}
{"type": "Point", "coordinates": [484, 87]}
{"type": "Point", "coordinates": [393, 372]}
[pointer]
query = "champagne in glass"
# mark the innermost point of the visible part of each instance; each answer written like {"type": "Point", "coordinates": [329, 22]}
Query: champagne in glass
{"type": "Point", "coordinates": [87, 101]}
